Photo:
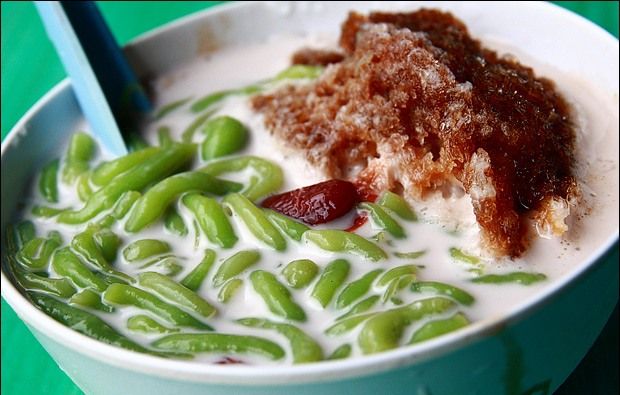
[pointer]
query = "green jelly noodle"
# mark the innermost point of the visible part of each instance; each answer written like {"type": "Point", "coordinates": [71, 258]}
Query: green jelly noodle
{"type": "Point", "coordinates": [224, 136]}
{"type": "Point", "coordinates": [168, 251]}
{"type": "Point", "coordinates": [300, 272]}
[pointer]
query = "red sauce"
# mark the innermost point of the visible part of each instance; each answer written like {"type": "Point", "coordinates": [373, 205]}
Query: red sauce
{"type": "Point", "coordinates": [358, 222]}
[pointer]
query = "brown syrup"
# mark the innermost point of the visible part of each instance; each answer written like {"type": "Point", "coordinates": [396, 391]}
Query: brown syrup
{"type": "Point", "coordinates": [416, 101]}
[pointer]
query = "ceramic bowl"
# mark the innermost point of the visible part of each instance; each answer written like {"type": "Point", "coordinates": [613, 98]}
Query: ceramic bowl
{"type": "Point", "coordinates": [530, 349]}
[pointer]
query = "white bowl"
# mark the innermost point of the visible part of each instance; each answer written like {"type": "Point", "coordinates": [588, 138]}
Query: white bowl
{"type": "Point", "coordinates": [532, 347]}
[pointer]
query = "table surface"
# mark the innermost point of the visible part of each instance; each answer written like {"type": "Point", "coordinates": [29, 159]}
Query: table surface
{"type": "Point", "coordinates": [30, 67]}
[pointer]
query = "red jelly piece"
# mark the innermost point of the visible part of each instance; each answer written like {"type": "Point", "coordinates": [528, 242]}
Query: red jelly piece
{"type": "Point", "coordinates": [358, 222]}
{"type": "Point", "coordinates": [316, 204]}
{"type": "Point", "coordinates": [228, 361]}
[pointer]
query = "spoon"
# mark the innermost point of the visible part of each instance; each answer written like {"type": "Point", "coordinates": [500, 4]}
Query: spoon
{"type": "Point", "coordinates": [105, 85]}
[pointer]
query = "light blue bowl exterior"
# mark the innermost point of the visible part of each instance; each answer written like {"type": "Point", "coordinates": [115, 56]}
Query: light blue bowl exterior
{"type": "Point", "coordinates": [533, 356]}
{"type": "Point", "coordinates": [531, 353]}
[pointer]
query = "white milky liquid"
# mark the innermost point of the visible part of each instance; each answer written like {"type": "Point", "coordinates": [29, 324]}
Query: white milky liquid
{"type": "Point", "coordinates": [445, 223]}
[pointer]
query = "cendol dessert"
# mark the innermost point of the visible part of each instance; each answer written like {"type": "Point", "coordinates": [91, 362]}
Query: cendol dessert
{"type": "Point", "coordinates": [283, 216]}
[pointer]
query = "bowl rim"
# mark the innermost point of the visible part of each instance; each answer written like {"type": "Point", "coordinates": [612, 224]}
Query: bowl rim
{"type": "Point", "coordinates": [283, 374]}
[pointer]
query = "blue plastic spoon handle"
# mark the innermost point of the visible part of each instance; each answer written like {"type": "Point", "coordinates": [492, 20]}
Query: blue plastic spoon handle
{"type": "Point", "coordinates": [101, 78]}
{"type": "Point", "coordinates": [116, 77]}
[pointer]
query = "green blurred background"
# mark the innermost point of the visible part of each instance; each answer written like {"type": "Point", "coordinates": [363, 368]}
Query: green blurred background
{"type": "Point", "coordinates": [30, 68]}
